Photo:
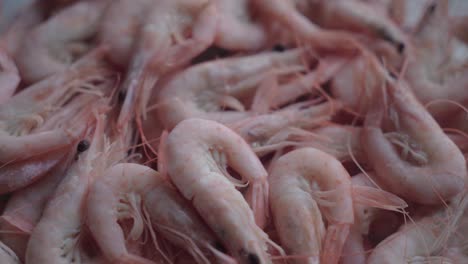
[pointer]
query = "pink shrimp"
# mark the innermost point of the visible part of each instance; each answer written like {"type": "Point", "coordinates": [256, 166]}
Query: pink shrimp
{"type": "Point", "coordinates": [64, 213]}
{"type": "Point", "coordinates": [198, 152]}
{"type": "Point", "coordinates": [419, 240]}
{"type": "Point", "coordinates": [55, 44]}
{"type": "Point", "coordinates": [163, 46]}
{"type": "Point", "coordinates": [430, 168]}
{"type": "Point", "coordinates": [265, 132]}
{"type": "Point", "coordinates": [9, 77]}
{"type": "Point", "coordinates": [26, 137]}
{"type": "Point", "coordinates": [203, 90]}
{"type": "Point", "coordinates": [307, 179]}
{"type": "Point", "coordinates": [138, 192]}
{"type": "Point", "coordinates": [25, 206]}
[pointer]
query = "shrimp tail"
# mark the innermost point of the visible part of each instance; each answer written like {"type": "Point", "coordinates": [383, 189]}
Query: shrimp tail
{"type": "Point", "coordinates": [257, 197]}
{"type": "Point", "coordinates": [335, 239]}
{"type": "Point", "coordinates": [373, 197]}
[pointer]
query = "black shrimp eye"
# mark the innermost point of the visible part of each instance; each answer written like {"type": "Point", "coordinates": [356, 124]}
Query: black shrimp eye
{"type": "Point", "coordinates": [393, 75]}
{"type": "Point", "coordinates": [83, 145]}
{"type": "Point", "coordinates": [432, 8]}
{"type": "Point", "coordinates": [400, 47]}
{"type": "Point", "coordinates": [279, 48]}
{"type": "Point", "coordinates": [253, 259]}
{"type": "Point", "coordinates": [121, 96]}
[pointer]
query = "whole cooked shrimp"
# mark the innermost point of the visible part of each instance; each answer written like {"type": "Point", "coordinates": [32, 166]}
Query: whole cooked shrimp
{"type": "Point", "coordinates": [25, 207]}
{"type": "Point", "coordinates": [236, 29]}
{"type": "Point", "coordinates": [354, 15]}
{"type": "Point", "coordinates": [205, 89]}
{"type": "Point", "coordinates": [301, 182]}
{"type": "Point", "coordinates": [437, 69]}
{"type": "Point", "coordinates": [28, 110]}
{"type": "Point", "coordinates": [138, 192]}
{"type": "Point", "coordinates": [198, 152]}
{"type": "Point", "coordinates": [415, 159]}
{"type": "Point", "coordinates": [9, 77]}
{"type": "Point", "coordinates": [56, 43]}
{"type": "Point", "coordinates": [64, 212]}
{"type": "Point", "coordinates": [173, 33]}
{"type": "Point", "coordinates": [421, 241]}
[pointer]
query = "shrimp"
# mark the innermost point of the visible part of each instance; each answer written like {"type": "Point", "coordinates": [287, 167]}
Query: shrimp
{"type": "Point", "coordinates": [236, 28]}
{"type": "Point", "coordinates": [203, 90]}
{"type": "Point", "coordinates": [138, 192]}
{"type": "Point", "coordinates": [28, 110]}
{"type": "Point", "coordinates": [437, 68]}
{"type": "Point", "coordinates": [163, 46]}
{"type": "Point", "coordinates": [430, 169]}
{"type": "Point", "coordinates": [25, 206]}
{"type": "Point", "coordinates": [419, 240]}
{"type": "Point", "coordinates": [198, 152]}
{"type": "Point", "coordinates": [304, 180]}
{"type": "Point", "coordinates": [56, 43]}
{"type": "Point", "coordinates": [64, 212]}
{"type": "Point", "coordinates": [9, 77]}
{"type": "Point", "coordinates": [119, 28]}
{"type": "Point", "coordinates": [264, 132]}
{"type": "Point", "coordinates": [7, 256]}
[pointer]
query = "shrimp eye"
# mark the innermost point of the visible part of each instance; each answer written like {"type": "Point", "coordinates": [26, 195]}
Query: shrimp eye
{"type": "Point", "coordinates": [220, 247]}
{"type": "Point", "coordinates": [253, 259]}
{"type": "Point", "coordinates": [400, 47]}
{"type": "Point", "coordinates": [279, 48]}
{"type": "Point", "coordinates": [121, 96]}
{"type": "Point", "coordinates": [432, 8]}
{"type": "Point", "coordinates": [82, 146]}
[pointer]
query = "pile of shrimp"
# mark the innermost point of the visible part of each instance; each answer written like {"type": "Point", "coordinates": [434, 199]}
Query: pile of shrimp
{"type": "Point", "coordinates": [234, 131]}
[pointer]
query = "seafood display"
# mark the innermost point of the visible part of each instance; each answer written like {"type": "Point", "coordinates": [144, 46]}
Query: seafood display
{"type": "Point", "coordinates": [234, 131]}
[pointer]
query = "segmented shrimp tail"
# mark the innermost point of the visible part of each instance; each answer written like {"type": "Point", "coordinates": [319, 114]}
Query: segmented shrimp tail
{"type": "Point", "coordinates": [257, 197]}
{"type": "Point", "coordinates": [335, 239]}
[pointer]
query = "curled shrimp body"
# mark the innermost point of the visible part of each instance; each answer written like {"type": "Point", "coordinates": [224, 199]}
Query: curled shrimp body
{"type": "Point", "coordinates": [417, 161]}
{"type": "Point", "coordinates": [55, 44]}
{"type": "Point", "coordinates": [301, 182]}
{"type": "Point", "coordinates": [9, 77]}
{"type": "Point", "coordinates": [203, 90]}
{"type": "Point", "coordinates": [138, 192]}
{"type": "Point", "coordinates": [64, 213]}
{"type": "Point", "coordinates": [198, 152]}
